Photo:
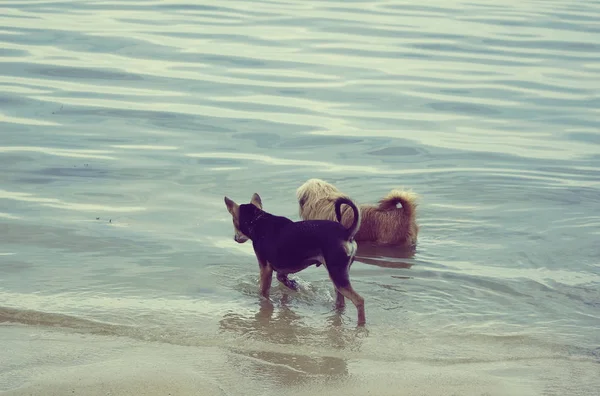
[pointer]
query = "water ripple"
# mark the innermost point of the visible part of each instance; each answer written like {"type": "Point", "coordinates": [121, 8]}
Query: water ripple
{"type": "Point", "coordinates": [124, 123]}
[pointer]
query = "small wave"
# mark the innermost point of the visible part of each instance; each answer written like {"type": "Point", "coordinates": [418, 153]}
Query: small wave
{"type": "Point", "coordinates": [45, 319]}
{"type": "Point", "coordinates": [60, 204]}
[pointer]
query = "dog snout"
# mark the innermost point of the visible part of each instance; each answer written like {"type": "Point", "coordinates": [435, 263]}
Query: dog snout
{"type": "Point", "coordinates": [240, 238]}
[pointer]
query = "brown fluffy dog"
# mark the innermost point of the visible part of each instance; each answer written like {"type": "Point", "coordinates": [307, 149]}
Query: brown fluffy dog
{"type": "Point", "coordinates": [383, 224]}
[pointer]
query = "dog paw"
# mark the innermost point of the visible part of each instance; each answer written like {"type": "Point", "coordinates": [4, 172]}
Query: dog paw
{"type": "Point", "coordinates": [292, 284]}
{"type": "Point", "coordinates": [265, 299]}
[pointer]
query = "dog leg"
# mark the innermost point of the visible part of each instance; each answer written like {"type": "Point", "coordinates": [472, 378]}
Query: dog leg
{"type": "Point", "coordinates": [289, 283]}
{"type": "Point", "coordinates": [338, 266]}
{"type": "Point", "coordinates": [266, 275]}
{"type": "Point", "coordinates": [340, 302]}
{"type": "Point", "coordinates": [357, 300]}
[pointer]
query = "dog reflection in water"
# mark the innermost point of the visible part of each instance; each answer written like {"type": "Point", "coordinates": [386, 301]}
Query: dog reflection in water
{"type": "Point", "coordinates": [284, 330]}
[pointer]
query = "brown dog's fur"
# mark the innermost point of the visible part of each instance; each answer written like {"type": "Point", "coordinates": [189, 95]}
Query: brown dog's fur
{"type": "Point", "coordinates": [383, 224]}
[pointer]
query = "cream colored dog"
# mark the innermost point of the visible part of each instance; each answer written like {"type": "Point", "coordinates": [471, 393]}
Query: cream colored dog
{"type": "Point", "coordinates": [383, 224]}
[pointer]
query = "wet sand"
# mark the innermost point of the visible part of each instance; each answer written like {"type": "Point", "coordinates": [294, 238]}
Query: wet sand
{"type": "Point", "coordinates": [79, 364]}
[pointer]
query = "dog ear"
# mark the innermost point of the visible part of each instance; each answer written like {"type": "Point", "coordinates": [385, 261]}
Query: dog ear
{"type": "Point", "coordinates": [232, 207]}
{"type": "Point", "coordinates": [256, 201]}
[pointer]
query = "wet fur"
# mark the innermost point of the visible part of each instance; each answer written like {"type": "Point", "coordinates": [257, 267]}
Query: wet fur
{"type": "Point", "coordinates": [383, 224]}
{"type": "Point", "coordinates": [286, 247]}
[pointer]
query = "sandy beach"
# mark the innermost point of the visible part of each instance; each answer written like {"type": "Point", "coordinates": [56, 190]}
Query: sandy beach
{"type": "Point", "coordinates": [51, 362]}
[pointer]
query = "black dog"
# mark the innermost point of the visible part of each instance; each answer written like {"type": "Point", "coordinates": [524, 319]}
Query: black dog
{"type": "Point", "coordinates": [287, 247]}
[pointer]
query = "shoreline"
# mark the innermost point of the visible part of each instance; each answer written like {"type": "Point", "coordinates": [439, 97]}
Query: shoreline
{"type": "Point", "coordinates": [50, 362]}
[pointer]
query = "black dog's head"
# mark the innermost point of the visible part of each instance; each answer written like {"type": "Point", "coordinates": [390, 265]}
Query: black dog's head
{"type": "Point", "coordinates": [242, 215]}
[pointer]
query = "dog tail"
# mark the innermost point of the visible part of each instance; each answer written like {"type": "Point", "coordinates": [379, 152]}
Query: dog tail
{"type": "Point", "coordinates": [357, 215]}
{"type": "Point", "coordinates": [408, 199]}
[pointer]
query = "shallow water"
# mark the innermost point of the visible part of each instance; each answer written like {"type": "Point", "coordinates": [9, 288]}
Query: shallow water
{"type": "Point", "coordinates": [123, 124]}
